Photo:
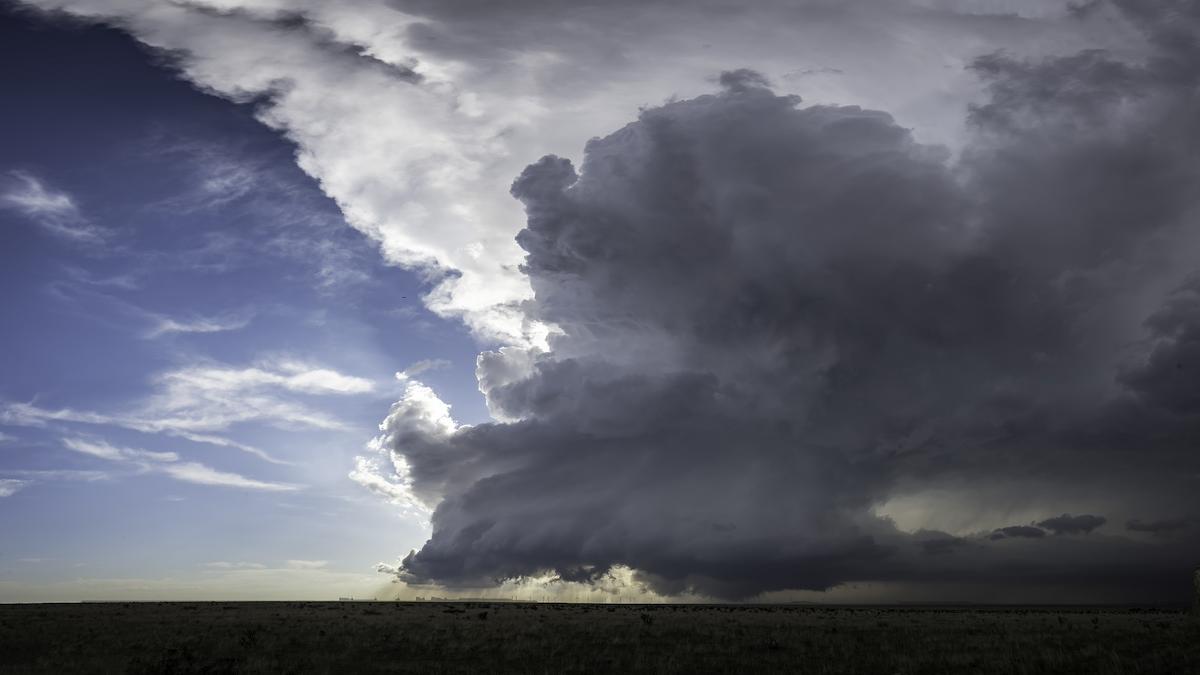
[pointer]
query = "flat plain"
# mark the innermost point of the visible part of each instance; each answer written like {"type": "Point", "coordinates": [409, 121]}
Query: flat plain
{"type": "Point", "coordinates": [479, 637]}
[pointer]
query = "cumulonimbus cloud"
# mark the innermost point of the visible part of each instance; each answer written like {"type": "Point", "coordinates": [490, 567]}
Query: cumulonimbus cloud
{"type": "Point", "coordinates": [1069, 524]}
{"type": "Point", "coordinates": [770, 318]}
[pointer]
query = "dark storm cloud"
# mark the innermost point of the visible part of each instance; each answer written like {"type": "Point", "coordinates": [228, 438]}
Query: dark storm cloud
{"type": "Point", "coordinates": [1068, 524]}
{"type": "Point", "coordinates": [774, 316]}
{"type": "Point", "coordinates": [1167, 377]}
{"type": "Point", "coordinates": [1166, 526]}
{"type": "Point", "coordinates": [936, 543]}
{"type": "Point", "coordinates": [1022, 531]}
{"type": "Point", "coordinates": [742, 79]}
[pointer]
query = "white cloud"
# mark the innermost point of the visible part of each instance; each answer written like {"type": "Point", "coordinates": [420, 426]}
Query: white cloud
{"type": "Point", "coordinates": [168, 463]}
{"type": "Point", "coordinates": [194, 401]}
{"type": "Point", "coordinates": [287, 374]}
{"type": "Point", "coordinates": [289, 222]}
{"type": "Point", "coordinates": [223, 565]}
{"type": "Point", "coordinates": [421, 408]}
{"type": "Point", "coordinates": [96, 449]}
{"type": "Point", "coordinates": [167, 325]}
{"type": "Point", "coordinates": [26, 414]}
{"type": "Point", "coordinates": [396, 488]}
{"type": "Point", "coordinates": [78, 288]}
{"type": "Point", "coordinates": [127, 281]}
{"type": "Point", "coordinates": [191, 472]}
{"type": "Point", "coordinates": [220, 176]}
{"type": "Point", "coordinates": [421, 367]}
{"type": "Point", "coordinates": [53, 210]}
{"type": "Point", "coordinates": [11, 486]}
{"type": "Point", "coordinates": [59, 474]}
{"type": "Point", "coordinates": [307, 564]}
{"type": "Point", "coordinates": [112, 453]}
{"type": "Point", "coordinates": [223, 442]}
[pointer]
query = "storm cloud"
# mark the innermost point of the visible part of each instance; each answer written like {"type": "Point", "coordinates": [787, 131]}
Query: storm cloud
{"type": "Point", "coordinates": [1165, 527]}
{"type": "Point", "coordinates": [1018, 531]}
{"type": "Point", "coordinates": [770, 319]}
{"type": "Point", "coordinates": [1068, 524]}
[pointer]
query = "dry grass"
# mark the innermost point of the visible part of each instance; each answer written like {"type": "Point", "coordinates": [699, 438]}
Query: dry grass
{"type": "Point", "coordinates": [528, 638]}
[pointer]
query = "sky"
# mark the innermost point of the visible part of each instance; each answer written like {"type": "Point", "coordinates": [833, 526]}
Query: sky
{"type": "Point", "coordinates": [864, 301]}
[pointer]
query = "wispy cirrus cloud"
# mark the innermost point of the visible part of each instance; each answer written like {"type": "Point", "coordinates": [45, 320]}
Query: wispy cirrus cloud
{"type": "Point", "coordinates": [15, 480]}
{"type": "Point", "coordinates": [36, 475]}
{"type": "Point", "coordinates": [113, 453]}
{"type": "Point", "coordinates": [198, 402]}
{"type": "Point", "coordinates": [226, 565]}
{"type": "Point", "coordinates": [289, 223]}
{"type": "Point", "coordinates": [30, 415]}
{"type": "Point", "coordinates": [169, 463]}
{"type": "Point", "coordinates": [191, 472]}
{"type": "Point", "coordinates": [421, 366]}
{"type": "Point", "coordinates": [290, 374]}
{"type": "Point", "coordinates": [307, 564]}
{"type": "Point", "coordinates": [53, 210]}
{"type": "Point", "coordinates": [11, 486]}
{"type": "Point", "coordinates": [79, 289]}
{"type": "Point", "coordinates": [126, 281]}
{"type": "Point", "coordinates": [167, 325]}
{"type": "Point", "coordinates": [287, 564]}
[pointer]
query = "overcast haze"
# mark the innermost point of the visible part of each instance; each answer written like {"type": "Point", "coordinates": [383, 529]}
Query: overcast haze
{"type": "Point", "coordinates": [860, 301]}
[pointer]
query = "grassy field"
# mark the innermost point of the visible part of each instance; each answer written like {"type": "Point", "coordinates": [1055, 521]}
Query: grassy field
{"type": "Point", "coordinates": [345, 637]}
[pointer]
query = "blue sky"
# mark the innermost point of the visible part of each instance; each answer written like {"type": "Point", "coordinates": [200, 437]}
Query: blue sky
{"type": "Point", "coordinates": [163, 258]}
